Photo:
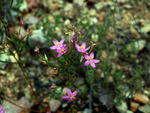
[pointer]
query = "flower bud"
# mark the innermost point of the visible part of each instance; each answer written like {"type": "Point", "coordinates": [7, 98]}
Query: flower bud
{"type": "Point", "coordinates": [65, 63]}
{"type": "Point", "coordinates": [53, 86]}
{"type": "Point", "coordinates": [92, 44]}
{"type": "Point", "coordinates": [36, 50]}
{"type": "Point", "coordinates": [74, 37]}
{"type": "Point", "coordinates": [83, 31]}
{"type": "Point", "coordinates": [21, 21]}
{"type": "Point", "coordinates": [22, 37]}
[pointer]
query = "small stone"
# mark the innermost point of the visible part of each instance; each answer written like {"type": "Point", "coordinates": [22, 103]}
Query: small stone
{"type": "Point", "coordinates": [32, 20]}
{"type": "Point", "coordinates": [8, 107]}
{"type": "Point", "coordinates": [86, 110]}
{"type": "Point", "coordinates": [37, 38]}
{"type": "Point", "coordinates": [141, 98]}
{"type": "Point", "coordinates": [145, 29]}
{"type": "Point", "coordinates": [54, 105]}
{"type": "Point", "coordinates": [134, 106]}
{"type": "Point", "coordinates": [134, 33]}
{"type": "Point", "coordinates": [128, 111]}
{"type": "Point", "coordinates": [23, 6]}
{"type": "Point", "coordinates": [122, 108]}
{"type": "Point", "coordinates": [79, 2]}
{"type": "Point", "coordinates": [136, 46]}
{"type": "Point", "coordinates": [104, 55]}
{"type": "Point", "coordinates": [92, 12]}
{"type": "Point", "coordinates": [144, 109]}
{"type": "Point", "coordinates": [101, 5]}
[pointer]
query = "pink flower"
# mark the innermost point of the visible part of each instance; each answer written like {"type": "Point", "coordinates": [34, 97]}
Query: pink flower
{"type": "Point", "coordinates": [57, 45]}
{"type": "Point", "coordinates": [74, 37]}
{"type": "Point", "coordinates": [82, 47]}
{"type": "Point", "coordinates": [2, 111]}
{"type": "Point", "coordinates": [61, 51]}
{"type": "Point", "coordinates": [71, 96]}
{"type": "Point", "coordinates": [49, 112]}
{"type": "Point", "coordinates": [83, 31]}
{"type": "Point", "coordinates": [90, 60]}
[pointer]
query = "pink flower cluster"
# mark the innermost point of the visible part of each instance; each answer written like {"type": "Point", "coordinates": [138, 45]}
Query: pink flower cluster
{"type": "Point", "coordinates": [61, 49]}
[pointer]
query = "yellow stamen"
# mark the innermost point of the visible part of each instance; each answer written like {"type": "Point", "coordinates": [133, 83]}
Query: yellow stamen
{"type": "Point", "coordinates": [67, 32]}
{"type": "Point", "coordinates": [82, 47]}
{"type": "Point", "coordinates": [90, 58]}
{"type": "Point", "coordinates": [62, 50]}
{"type": "Point", "coordinates": [57, 43]}
{"type": "Point", "coordinates": [72, 96]}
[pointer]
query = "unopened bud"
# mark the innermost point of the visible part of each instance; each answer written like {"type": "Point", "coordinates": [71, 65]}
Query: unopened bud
{"type": "Point", "coordinates": [65, 63]}
{"type": "Point", "coordinates": [92, 44]}
{"type": "Point", "coordinates": [74, 37]}
{"type": "Point", "coordinates": [21, 21]}
{"type": "Point", "coordinates": [83, 31]}
{"type": "Point", "coordinates": [36, 50]}
{"type": "Point", "coordinates": [22, 37]}
{"type": "Point", "coordinates": [53, 86]}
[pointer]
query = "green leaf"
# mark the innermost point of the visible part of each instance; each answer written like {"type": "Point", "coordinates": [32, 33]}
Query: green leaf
{"type": "Point", "coordinates": [46, 58]}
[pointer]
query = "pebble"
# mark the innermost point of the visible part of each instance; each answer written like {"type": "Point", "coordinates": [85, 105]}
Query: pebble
{"type": "Point", "coordinates": [134, 106]}
{"type": "Point", "coordinates": [136, 46]}
{"type": "Point", "coordinates": [144, 109]}
{"type": "Point", "coordinates": [141, 98]}
{"type": "Point", "coordinates": [145, 29]}
{"type": "Point", "coordinates": [134, 33]}
{"type": "Point", "coordinates": [122, 108]}
{"type": "Point", "coordinates": [54, 105]}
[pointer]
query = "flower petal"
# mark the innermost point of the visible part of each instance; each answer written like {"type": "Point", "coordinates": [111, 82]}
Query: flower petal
{"type": "Point", "coordinates": [1, 107]}
{"type": "Point", "coordinates": [95, 60]}
{"type": "Point", "coordinates": [86, 63]}
{"type": "Point", "coordinates": [77, 47]}
{"type": "Point", "coordinates": [55, 41]}
{"type": "Point", "coordinates": [74, 98]}
{"type": "Point", "coordinates": [69, 101]}
{"type": "Point", "coordinates": [2, 111]}
{"type": "Point", "coordinates": [66, 97]}
{"type": "Point", "coordinates": [83, 44]}
{"type": "Point", "coordinates": [64, 51]}
{"type": "Point", "coordinates": [62, 41]}
{"type": "Point", "coordinates": [87, 48]}
{"type": "Point", "coordinates": [53, 47]}
{"type": "Point", "coordinates": [92, 54]}
{"type": "Point", "coordinates": [69, 92]}
{"type": "Point", "coordinates": [86, 56]}
{"type": "Point", "coordinates": [93, 65]}
{"type": "Point", "coordinates": [74, 93]}
{"type": "Point", "coordinates": [59, 55]}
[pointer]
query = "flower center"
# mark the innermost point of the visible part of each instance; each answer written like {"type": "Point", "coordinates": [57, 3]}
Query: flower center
{"type": "Point", "coordinates": [62, 50]}
{"type": "Point", "coordinates": [71, 97]}
{"type": "Point", "coordinates": [57, 44]}
{"type": "Point", "coordinates": [90, 58]}
{"type": "Point", "coordinates": [82, 47]}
